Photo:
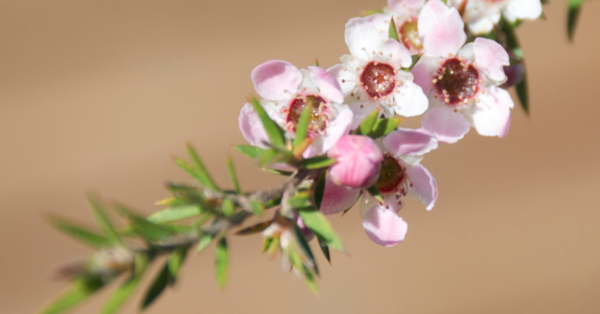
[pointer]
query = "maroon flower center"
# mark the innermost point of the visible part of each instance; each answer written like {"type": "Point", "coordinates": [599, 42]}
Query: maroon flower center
{"type": "Point", "coordinates": [378, 79]}
{"type": "Point", "coordinates": [391, 175]}
{"type": "Point", "coordinates": [457, 82]}
{"type": "Point", "coordinates": [316, 118]}
{"type": "Point", "coordinates": [409, 31]}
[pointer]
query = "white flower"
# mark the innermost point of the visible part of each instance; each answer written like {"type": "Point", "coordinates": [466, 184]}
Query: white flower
{"type": "Point", "coordinates": [482, 15]}
{"type": "Point", "coordinates": [405, 14]}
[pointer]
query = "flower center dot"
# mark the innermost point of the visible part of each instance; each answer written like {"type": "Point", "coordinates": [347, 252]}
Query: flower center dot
{"type": "Point", "coordinates": [457, 81]}
{"type": "Point", "coordinates": [378, 79]}
{"type": "Point", "coordinates": [410, 35]}
{"type": "Point", "coordinates": [391, 175]}
{"type": "Point", "coordinates": [316, 118]}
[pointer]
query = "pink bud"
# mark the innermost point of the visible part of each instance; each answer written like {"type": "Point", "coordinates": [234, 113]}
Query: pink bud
{"type": "Point", "coordinates": [358, 161]}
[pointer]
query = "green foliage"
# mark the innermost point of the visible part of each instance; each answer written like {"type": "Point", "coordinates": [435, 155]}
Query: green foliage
{"type": "Point", "coordinates": [173, 214]}
{"type": "Point", "coordinates": [274, 132]}
{"type": "Point", "coordinates": [257, 228]}
{"type": "Point", "coordinates": [302, 127]}
{"type": "Point", "coordinates": [315, 221]}
{"type": "Point", "coordinates": [367, 124]}
{"type": "Point", "coordinates": [80, 290]}
{"type": "Point", "coordinates": [573, 16]}
{"type": "Point", "coordinates": [145, 228]}
{"type": "Point", "coordinates": [122, 293]}
{"type": "Point", "coordinates": [257, 208]}
{"type": "Point", "coordinates": [373, 190]}
{"type": "Point", "coordinates": [383, 127]}
{"type": "Point", "coordinates": [79, 233]}
{"type": "Point", "coordinates": [393, 30]}
{"type": "Point", "coordinates": [319, 189]}
{"type": "Point", "coordinates": [106, 226]}
{"type": "Point", "coordinates": [228, 207]}
{"type": "Point", "coordinates": [250, 151]}
{"type": "Point", "coordinates": [316, 162]}
{"type": "Point", "coordinates": [513, 47]}
{"type": "Point", "coordinates": [221, 262]}
{"type": "Point", "coordinates": [300, 200]}
{"type": "Point", "coordinates": [233, 176]}
{"type": "Point", "coordinates": [158, 286]}
{"type": "Point", "coordinates": [204, 241]}
{"type": "Point", "coordinates": [324, 248]}
{"type": "Point", "coordinates": [305, 248]}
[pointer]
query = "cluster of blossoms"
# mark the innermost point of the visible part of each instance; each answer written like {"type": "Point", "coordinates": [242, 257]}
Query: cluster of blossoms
{"type": "Point", "coordinates": [415, 58]}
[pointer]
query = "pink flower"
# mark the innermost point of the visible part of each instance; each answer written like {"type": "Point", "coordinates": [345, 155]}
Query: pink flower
{"type": "Point", "coordinates": [372, 76]}
{"type": "Point", "coordinates": [358, 161]}
{"type": "Point", "coordinates": [286, 92]}
{"type": "Point", "coordinates": [461, 83]}
{"type": "Point", "coordinates": [482, 15]}
{"type": "Point", "coordinates": [405, 14]}
{"type": "Point", "coordinates": [401, 175]}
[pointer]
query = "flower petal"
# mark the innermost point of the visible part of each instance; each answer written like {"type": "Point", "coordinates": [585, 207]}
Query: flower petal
{"type": "Point", "coordinates": [251, 127]}
{"type": "Point", "coordinates": [410, 99]}
{"type": "Point", "coordinates": [423, 72]}
{"type": "Point", "coordinates": [362, 38]}
{"type": "Point", "coordinates": [410, 142]}
{"type": "Point", "coordinates": [347, 80]}
{"type": "Point", "coordinates": [361, 110]}
{"type": "Point", "coordinates": [492, 115]}
{"type": "Point", "coordinates": [447, 125]}
{"type": "Point", "coordinates": [403, 5]}
{"type": "Point", "coordinates": [276, 80]}
{"type": "Point", "coordinates": [491, 59]}
{"type": "Point", "coordinates": [328, 85]}
{"type": "Point", "coordinates": [394, 52]}
{"type": "Point", "coordinates": [337, 199]}
{"type": "Point", "coordinates": [441, 29]}
{"type": "Point", "coordinates": [424, 186]}
{"type": "Point", "coordinates": [523, 10]}
{"type": "Point", "coordinates": [338, 128]}
{"type": "Point", "coordinates": [384, 227]}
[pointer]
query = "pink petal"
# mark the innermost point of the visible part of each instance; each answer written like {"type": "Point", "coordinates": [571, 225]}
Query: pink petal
{"type": "Point", "coordinates": [423, 72]}
{"type": "Point", "coordinates": [491, 58]}
{"type": "Point", "coordinates": [337, 198]}
{"type": "Point", "coordinates": [410, 100]}
{"type": "Point", "coordinates": [384, 227]}
{"type": "Point", "coordinates": [402, 5]}
{"type": "Point", "coordinates": [338, 128]}
{"type": "Point", "coordinates": [447, 125]}
{"type": "Point", "coordinates": [344, 78]}
{"type": "Point", "coordinates": [361, 110]}
{"type": "Point", "coordinates": [410, 142]}
{"type": "Point", "coordinates": [276, 80]}
{"type": "Point", "coordinates": [441, 29]}
{"type": "Point", "coordinates": [391, 200]}
{"type": "Point", "coordinates": [492, 116]}
{"type": "Point", "coordinates": [251, 127]}
{"type": "Point", "coordinates": [362, 37]}
{"type": "Point", "coordinates": [328, 86]}
{"type": "Point", "coordinates": [399, 54]}
{"type": "Point", "coordinates": [424, 186]}
{"type": "Point", "coordinates": [380, 21]}
{"type": "Point", "coordinates": [358, 161]}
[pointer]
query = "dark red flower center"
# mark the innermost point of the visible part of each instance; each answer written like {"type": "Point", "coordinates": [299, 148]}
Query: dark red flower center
{"type": "Point", "coordinates": [457, 82]}
{"type": "Point", "coordinates": [391, 175]}
{"type": "Point", "coordinates": [409, 33]}
{"type": "Point", "coordinates": [378, 79]}
{"type": "Point", "coordinates": [316, 118]}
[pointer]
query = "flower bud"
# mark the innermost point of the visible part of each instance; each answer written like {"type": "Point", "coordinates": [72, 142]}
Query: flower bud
{"type": "Point", "coordinates": [358, 161]}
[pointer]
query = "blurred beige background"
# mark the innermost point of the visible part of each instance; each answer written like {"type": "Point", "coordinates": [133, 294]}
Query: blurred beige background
{"type": "Point", "coordinates": [96, 95]}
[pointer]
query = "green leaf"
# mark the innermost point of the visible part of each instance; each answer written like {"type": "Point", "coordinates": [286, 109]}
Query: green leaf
{"type": "Point", "coordinates": [204, 241]}
{"type": "Point", "coordinates": [233, 176]}
{"type": "Point", "coordinates": [367, 124]}
{"type": "Point", "coordinates": [259, 227]}
{"type": "Point", "coordinates": [522, 91]}
{"type": "Point", "coordinates": [122, 293]}
{"type": "Point", "coordinates": [573, 16]}
{"type": "Point", "coordinates": [297, 263]}
{"type": "Point", "coordinates": [371, 12]}
{"type": "Point", "coordinates": [77, 293]}
{"type": "Point", "coordinates": [106, 226]}
{"type": "Point", "coordinates": [267, 158]}
{"type": "Point", "coordinates": [316, 162]}
{"type": "Point", "coordinates": [201, 174]}
{"type": "Point", "coordinates": [278, 172]}
{"type": "Point", "coordinates": [514, 48]}
{"type": "Point", "coordinates": [320, 189]}
{"type": "Point", "coordinates": [158, 286]}
{"type": "Point", "coordinates": [383, 127]}
{"type": "Point", "coordinates": [79, 233]}
{"type": "Point", "coordinates": [315, 221]}
{"type": "Point", "coordinates": [266, 244]}
{"type": "Point", "coordinates": [393, 30]}
{"type": "Point", "coordinates": [305, 248]}
{"type": "Point", "coordinates": [324, 248]}
{"type": "Point", "coordinates": [146, 229]}
{"type": "Point", "coordinates": [221, 262]}
{"type": "Point", "coordinates": [175, 261]}
{"type": "Point", "coordinates": [273, 130]}
{"type": "Point", "coordinates": [172, 214]}
{"type": "Point", "coordinates": [373, 190]}
{"type": "Point", "coordinates": [228, 207]}
{"type": "Point", "coordinates": [300, 200]}
{"type": "Point", "coordinates": [250, 151]}
{"type": "Point", "coordinates": [302, 126]}
{"type": "Point", "coordinates": [257, 208]}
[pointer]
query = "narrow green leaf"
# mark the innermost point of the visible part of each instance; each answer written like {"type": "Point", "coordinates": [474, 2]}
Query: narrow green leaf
{"type": "Point", "coordinates": [273, 130]}
{"type": "Point", "coordinates": [278, 172]}
{"type": "Point", "coordinates": [204, 241]}
{"type": "Point", "coordinates": [175, 261]}
{"type": "Point", "coordinates": [202, 174]}
{"type": "Point", "coordinates": [393, 30]}
{"type": "Point", "coordinates": [228, 207]}
{"type": "Point", "coordinates": [316, 222]}
{"type": "Point", "coordinates": [250, 151]}
{"type": "Point", "coordinates": [146, 229]}
{"type": "Point", "coordinates": [172, 214]}
{"type": "Point", "coordinates": [300, 200]}
{"type": "Point", "coordinates": [514, 48]}
{"type": "Point", "coordinates": [305, 248]}
{"type": "Point", "coordinates": [122, 293]}
{"type": "Point", "coordinates": [573, 16]}
{"type": "Point", "coordinates": [267, 157]}
{"type": "Point", "coordinates": [367, 124]}
{"type": "Point", "coordinates": [221, 262]}
{"type": "Point", "coordinates": [383, 127]}
{"type": "Point", "coordinates": [371, 12]}
{"type": "Point", "coordinates": [233, 176]}
{"type": "Point", "coordinates": [309, 278]}
{"type": "Point", "coordinates": [158, 286]}
{"type": "Point", "coordinates": [77, 293]}
{"type": "Point", "coordinates": [106, 226]}
{"type": "Point", "coordinates": [302, 126]}
{"type": "Point", "coordinates": [257, 207]}
{"type": "Point", "coordinates": [272, 203]}
{"type": "Point", "coordinates": [324, 248]}
{"type": "Point", "coordinates": [273, 246]}
{"type": "Point", "coordinates": [316, 162]}
{"type": "Point", "coordinates": [266, 244]}
{"type": "Point", "coordinates": [373, 190]}
{"type": "Point", "coordinates": [79, 233]}
{"type": "Point", "coordinates": [523, 91]}
{"type": "Point", "coordinates": [320, 189]}
{"type": "Point", "coordinates": [259, 227]}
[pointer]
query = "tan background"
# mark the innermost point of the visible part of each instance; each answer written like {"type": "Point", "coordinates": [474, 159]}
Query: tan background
{"type": "Point", "coordinates": [96, 95]}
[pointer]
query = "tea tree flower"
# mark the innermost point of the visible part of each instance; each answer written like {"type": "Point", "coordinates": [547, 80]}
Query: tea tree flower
{"type": "Point", "coordinates": [482, 15]}
{"type": "Point", "coordinates": [461, 83]}
{"type": "Point", "coordinates": [286, 92]}
{"type": "Point", "coordinates": [372, 76]}
{"type": "Point", "coordinates": [405, 14]}
{"type": "Point", "coordinates": [358, 161]}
